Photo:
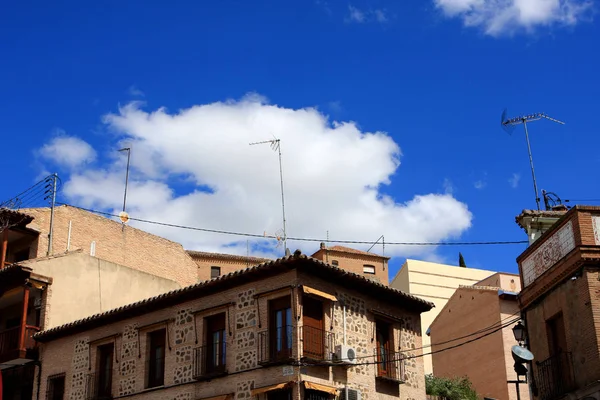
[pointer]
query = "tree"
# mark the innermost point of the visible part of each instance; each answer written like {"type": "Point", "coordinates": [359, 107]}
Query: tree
{"type": "Point", "coordinates": [461, 260]}
{"type": "Point", "coordinates": [451, 389]}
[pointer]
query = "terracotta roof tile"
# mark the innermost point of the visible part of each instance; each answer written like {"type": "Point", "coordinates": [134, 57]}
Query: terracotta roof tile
{"type": "Point", "coordinates": [221, 256]}
{"type": "Point", "coordinates": [344, 249]}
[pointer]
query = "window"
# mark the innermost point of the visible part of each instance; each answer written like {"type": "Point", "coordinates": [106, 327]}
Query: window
{"type": "Point", "coordinates": [156, 358]}
{"type": "Point", "coordinates": [103, 389]}
{"type": "Point", "coordinates": [313, 334]}
{"type": "Point", "coordinates": [368, 269]}
{"type": "Point", "coordinates": [215, 344]}
{"type": "Point", "coordinates": [56, 387]}
{"type": "Point", "coordinates": [284, 394]}
{"type": "Point", "coordinates": [384, 349]}
{"type": "Point", "coordinates": [335, 263]}
{"type": "Point", "coordinates": [280, 328]}
{"type": "Point", "coordinates": [215, 272]}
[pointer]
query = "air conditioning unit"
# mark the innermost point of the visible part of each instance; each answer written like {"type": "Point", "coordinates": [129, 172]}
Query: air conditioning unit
{"type": "Point", "coordinates": [345, 354]}
{"type": "Point", "coordinates": [353, 394]}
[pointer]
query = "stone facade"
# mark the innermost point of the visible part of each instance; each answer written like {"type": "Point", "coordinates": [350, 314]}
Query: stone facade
{"type": "Point", "coordinates": [246, 308]}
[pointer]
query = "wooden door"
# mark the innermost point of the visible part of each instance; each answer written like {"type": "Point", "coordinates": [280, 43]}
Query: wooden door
{"type": "Point", "coordinates": [215, 344]}
{"type": "Point", "coordinates": [383, 349]}
{"type": "Point", "coordinates": [313, 334]}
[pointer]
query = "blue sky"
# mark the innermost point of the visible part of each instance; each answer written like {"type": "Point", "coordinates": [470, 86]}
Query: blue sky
{"type": "Point", "coordinates": [388, 114]}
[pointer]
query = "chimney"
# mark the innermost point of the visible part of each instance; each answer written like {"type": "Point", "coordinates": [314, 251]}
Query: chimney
{"type": "Point", "coordinates": [535, 223]}
{"type": "Point", "coordinates": [323, 246]}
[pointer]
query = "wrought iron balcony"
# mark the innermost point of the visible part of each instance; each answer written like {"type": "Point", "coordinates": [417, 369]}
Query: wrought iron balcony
{"type": "Point", "coordinates": [390, 366]}
{"type": "Point", "coordinates": [555, 376]}
{"type": "Point", "coordinates": [275, 346]}
{"type": "Point", "coordinates": [99, 386]}
{"type": "Point", "coordinates": [210, 361]}
{"type": "Point", "coordinates": [317, 344]}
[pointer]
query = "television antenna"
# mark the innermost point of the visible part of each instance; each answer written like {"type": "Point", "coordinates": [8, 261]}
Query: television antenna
{"type": "Point", "coordinates": [276, 146]}
{"type": "Point", "coordinates": [508, 124]}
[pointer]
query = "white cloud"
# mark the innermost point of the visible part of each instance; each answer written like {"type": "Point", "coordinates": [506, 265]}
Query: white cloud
{"type": "Point", "coordinates": [135, 92]}
{"type": "Point", "coordinates": [332, 174]}
{"type": "Point", "coordinates": [362, 16]}
{"type": "Point", "coordinates": [67, 151]}
{"type": "Point", "coordinates": [480, 184]}
{"type": "Point", "coordinates": [448, 186]}
{"type": "Point", "coordinates": [514, 180]}
{"type": "Point", "coordinates": [499, 17]}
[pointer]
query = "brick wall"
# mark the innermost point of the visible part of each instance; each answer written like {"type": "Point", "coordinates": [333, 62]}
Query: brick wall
{"type": "Point", "coordinates": [578, 300]}
{"type": "Point", "coordinates": [356, 262]}
{"type": "Point", "coordinates": [130, 247]}
{"type": "Point", "coordinates": [246, 318]}
{"type": "Point", "coordinates": [484, 361]}
{"type": "Point", "coordinates": [227, 262]}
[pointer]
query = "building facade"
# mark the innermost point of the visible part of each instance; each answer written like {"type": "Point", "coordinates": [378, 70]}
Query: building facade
{"type": "Point", "coordinates": [435, 283]}
{"type": "Point", "coordinates": [213, 265]}
{"type": "Point", "coordinates": [81, 277]}
{"type": "Point", "coordinates": [369, 265]}
{"type": "Point", "coordinates": [483, 316]}
{"type": "Point", "coordinates": [292, 328]}
{"type": "Point", "coordinates": [560, 303]}
{"type": "Point", "coordinates": [106, 239]}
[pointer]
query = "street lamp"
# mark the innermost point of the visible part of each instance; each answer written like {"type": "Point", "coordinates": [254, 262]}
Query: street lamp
{"type": "Point", "coordinates": [519, 332]}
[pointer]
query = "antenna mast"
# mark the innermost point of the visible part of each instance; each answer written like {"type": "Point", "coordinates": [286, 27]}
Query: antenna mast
{"type": "Point", "coordinates": [276, 146]}
{"type": "Point", "coordinates": [508, 125]}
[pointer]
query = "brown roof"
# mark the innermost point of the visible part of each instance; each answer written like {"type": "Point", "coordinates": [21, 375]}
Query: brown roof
{"type": "Point", "coordinates": [268, 269]}
{"type": "Point", "coordinates": [344, 249]}
{"type": "Point", "coordinates": [16, 217]}
{"type": "Point", "coordinates": [223, 256]}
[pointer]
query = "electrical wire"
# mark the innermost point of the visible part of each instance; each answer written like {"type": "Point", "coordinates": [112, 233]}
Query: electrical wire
{"type": "Point", "coordinates": [582, 200]}
{"type": "Point", "coordinates": [264, 236]}
{"type": "Point", "coordinates": [405, 357]}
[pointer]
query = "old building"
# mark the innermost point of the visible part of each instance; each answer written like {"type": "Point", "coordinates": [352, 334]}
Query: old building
{"type": "Point", "coordinates": [482, 316]}
{"type": "Point", "coordinates": [560, 301]}
{"type": "Point", "coordinates": [213, 265]}
{"type": "Point", "coordinates": [370, 265]}
{"type": "Point", "coordinates": [106, 239]}
{"type": "Point", "coordinates": [81, 277]}
{"type": "Point", "coordinates": [291, 328]}
{"type": "Point", "coordinates": [435, 283]}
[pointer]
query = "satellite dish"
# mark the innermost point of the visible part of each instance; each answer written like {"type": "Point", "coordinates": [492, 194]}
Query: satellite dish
{"type": "Point", "coordinates": [521, 354]}
{"type": "Point", "coordinates": [124, 217]}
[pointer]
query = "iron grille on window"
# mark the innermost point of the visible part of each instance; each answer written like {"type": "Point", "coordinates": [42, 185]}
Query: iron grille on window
{"type": "Point", "coordinates": [275, 345]}
{"type": "Point", "coordinates": [210, 360]}
{"type": "Point", "coordinates": [55, 389]}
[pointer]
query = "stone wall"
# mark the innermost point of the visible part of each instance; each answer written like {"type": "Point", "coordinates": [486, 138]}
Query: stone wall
{"type": "Point", "coordinates": [246, 308]}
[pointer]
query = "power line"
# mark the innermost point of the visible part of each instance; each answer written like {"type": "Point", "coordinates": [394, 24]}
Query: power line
{"type": "Point", "coordinates": [232, 233]}
{"type": "Point", "coordinates": [404, 357]}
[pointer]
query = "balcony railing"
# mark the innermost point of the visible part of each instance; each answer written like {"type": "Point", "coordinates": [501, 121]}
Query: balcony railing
{"type": "Point", "coordinates": [555, 376]}
{"type": "Point", "coordinates": [317, 344]}
{"type": "Point", "coordinates": [210, 361]}
{"type": "Point", "coordinates": [275, 345]}
{"type": "Point", "coordinates": [11, 344]}
{"type": "Point", "coordinates": [99, 386]}
{"type": "Point", "coordinates": [390, 366]}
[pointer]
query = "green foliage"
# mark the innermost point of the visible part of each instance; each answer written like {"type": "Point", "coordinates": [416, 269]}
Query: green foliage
{"type": "Point", "coordinates": [451, 389]}
{"type": "Point", "coordinates": [461, 260]}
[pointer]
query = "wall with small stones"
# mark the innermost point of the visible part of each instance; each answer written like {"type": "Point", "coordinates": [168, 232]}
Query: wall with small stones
{"type": "Point", "coordinates": [246, 317]}
{"type": "Point", "coordinates": [79, 369]}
